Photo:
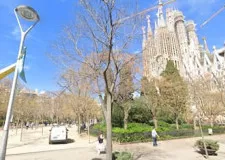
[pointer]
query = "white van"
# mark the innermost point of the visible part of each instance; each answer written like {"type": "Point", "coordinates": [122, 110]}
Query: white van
{"type": "Point", "coordinates": [58, 134]}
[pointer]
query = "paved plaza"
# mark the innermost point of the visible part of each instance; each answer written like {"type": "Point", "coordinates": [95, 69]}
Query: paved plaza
{"type": "Point", "coordinates": [35, 147]}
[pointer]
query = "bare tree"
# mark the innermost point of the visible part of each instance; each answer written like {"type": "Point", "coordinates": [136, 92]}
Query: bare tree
{"type": "Point", "coordinates": [209, 99]}
{"type": "Point", "coordinates": [4, 90]}
{"type": "Point", "coordinates": [97, 44]}
{"type": "Point", "coordinates": [126, 89]}
{"type": "Point", "coordinates": [151, 97]}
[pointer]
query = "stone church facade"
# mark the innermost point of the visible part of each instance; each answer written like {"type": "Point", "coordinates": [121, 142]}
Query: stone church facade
{"type": "Point", "coordinates": [175, 38]}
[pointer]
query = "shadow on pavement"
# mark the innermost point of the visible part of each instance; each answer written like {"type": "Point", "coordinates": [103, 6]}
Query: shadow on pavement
{"type": "Point", "coordinates": [203, 153]}
{"type": "Point", "coordinates": [96, 159]}
{"type": "Point", "coordinates": [69, 140]}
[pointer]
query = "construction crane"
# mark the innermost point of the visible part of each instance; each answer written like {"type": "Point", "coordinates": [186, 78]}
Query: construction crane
{"type": "Point", "coordinates": [146, 10]}
{"type": "Point", "coordinates": [213, 16]}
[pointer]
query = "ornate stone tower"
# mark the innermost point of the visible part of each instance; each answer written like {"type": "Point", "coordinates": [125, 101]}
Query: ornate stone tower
{"type": "Point", "coordinates": [182, 39]}
{"type": "Point", "coordinates": [170, 19]}
{"type": "Point", "coordinates": [161, 46]}
{"type": "Point", "coordinates": [176, 39]}
{"type": "Point", "coordinates": [191, 31]}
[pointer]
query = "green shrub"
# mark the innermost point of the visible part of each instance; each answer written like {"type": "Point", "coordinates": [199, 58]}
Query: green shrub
{"type": "Point", "coordinates": [135, 132]}
{"type": "Point", "coordinates": [1, 122]}
{"type": "Point", "coordinates": [163, 124]}
{"type": "Point", "coordinates": [100, 126]}
{"type": "Point", "coordinates": [117, 116]}
{"type": "Point", "coordinates": [139, 113]}
{"type": "Point", "coordinates": [122, 156]}
{"type": "Point", "coordinates": [210, 144]}
{"type": "Point", "coordinates": [133, 128]}
{"type": "Point", "coordinates": [132, 137]}
{"type": "Point", "coordinates": [178, 133]}
{"type": "Point", "coordinates": [97, 128]}
{"type": "Point", "coordinates": [139, 132]}
{"type": "Point", "coordinates": [186, 126]}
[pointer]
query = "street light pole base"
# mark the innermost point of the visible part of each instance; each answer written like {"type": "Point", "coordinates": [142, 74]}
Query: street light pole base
{"type": "Point", "coordinates": [4, 144]}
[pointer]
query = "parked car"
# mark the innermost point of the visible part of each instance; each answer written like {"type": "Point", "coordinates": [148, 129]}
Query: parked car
{"type": "Point", "coordinates": [58, 134]}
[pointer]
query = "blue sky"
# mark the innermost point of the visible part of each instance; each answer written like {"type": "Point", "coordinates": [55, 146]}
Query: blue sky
{"type": "Point", "coordinates": [41, 73]}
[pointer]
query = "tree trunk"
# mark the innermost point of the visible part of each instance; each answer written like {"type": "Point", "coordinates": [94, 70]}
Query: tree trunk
{"type": "Point", "coordinates": [79, 124]}
{"type": "Point", "coordinates": [125, 119]}
{"type": "Point", "coordinates": [155, 122]}
{"type": "Point", "coordinates": [36, 123]}
{"type": "Point", "coordinates": [88, 129]}
{"type": "Point", "coordinates": [194, 123]}
{"type": "Point", "coordinates": [125, 123]}
{"type": "Point", "coordinates": [211, 122]}
{"type": "Point", "coordinates": [17, 123]}
{"type": "Point", "coordinates": [109, 127]}
{"type": "Point", "coordinates": [21, 132]}
{"type": "Point", "coordinates": [177, 124]}
{"type": "Point", "coordinates": [203, 139]}
{"type": "Point", "coordinates": [42, 126]}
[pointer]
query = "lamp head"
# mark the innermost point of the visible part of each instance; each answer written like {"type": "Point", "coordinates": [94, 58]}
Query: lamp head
{"type": "Point", "coordinates": [27, 13]}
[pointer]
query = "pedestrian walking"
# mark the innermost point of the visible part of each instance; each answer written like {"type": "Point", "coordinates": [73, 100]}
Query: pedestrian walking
{"type": "Point", "coordinates": [154, 137]}
{"type": "Point", "coordinates": [100, 145]}
{"type": "Point", "coordinates": [27, 125]}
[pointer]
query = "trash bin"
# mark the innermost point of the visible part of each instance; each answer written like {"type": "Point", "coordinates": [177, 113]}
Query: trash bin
{"type": "Point", "coordinates": [210, 131]}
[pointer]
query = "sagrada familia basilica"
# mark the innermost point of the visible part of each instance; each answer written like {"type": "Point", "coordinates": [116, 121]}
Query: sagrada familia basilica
{"type": "Point", "coordinates": [175, 38]}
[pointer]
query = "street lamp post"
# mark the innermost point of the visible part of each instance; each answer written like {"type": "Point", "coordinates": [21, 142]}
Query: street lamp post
{"type": "Point", "coordinates": [28, 14]}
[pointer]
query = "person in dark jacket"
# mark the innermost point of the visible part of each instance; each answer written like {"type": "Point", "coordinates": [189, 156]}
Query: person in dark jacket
{"type": "Point", "coordinates": [100, 146]}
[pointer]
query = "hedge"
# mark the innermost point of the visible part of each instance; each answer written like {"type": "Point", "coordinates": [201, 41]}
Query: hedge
{"type": "Point", "coordinates": [1, 123]}
{"type": "Point", "coordinates": [137, 133]}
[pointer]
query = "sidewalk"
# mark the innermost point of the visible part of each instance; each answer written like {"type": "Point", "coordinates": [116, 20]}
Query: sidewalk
{"type": "Point", "coordinates": [34, 141]}
{"type": "Point", "coordinates": [178, 149]}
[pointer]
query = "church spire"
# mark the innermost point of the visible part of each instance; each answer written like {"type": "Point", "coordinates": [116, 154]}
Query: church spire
{"type": "Point", "coordinates": [161, 21]}
{"type": "Point", "coordinates": [144, 36]}
{"type": "Point", "coordinates": [149, 26]}
{"type": "Point", "coordinates": [156, 28]}
{"type": "Point", "coordinates": [205, 44]}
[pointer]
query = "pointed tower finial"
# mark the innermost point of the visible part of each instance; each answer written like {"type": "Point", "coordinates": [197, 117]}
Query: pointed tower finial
{"type": "Point", "coordinates": [156, 25]}
{"type": "Point", "coordinates": [160, 1]}
{"type": "Point", "coordinates": [144, 32]}
{"type": "Point", "coordinates": [156, 28]}
{"type": "Point", "coordinates": [144, 36]}
{"type": "Point", "coordinates": [149, 25]}
{"type": "Point", "coordinates": [205, 44]}
{"type": "Point", "coordinates": [161, 21]}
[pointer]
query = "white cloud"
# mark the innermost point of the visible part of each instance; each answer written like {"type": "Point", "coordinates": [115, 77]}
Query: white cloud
{"type": "Point", "coordinates": [42, 92]}
{"type": "Point", "coordinates": [16, 33]}
{"type": "Point", "coordinates": [26, 67]}
{"type": "Point", "coordinates": [137, 51]}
